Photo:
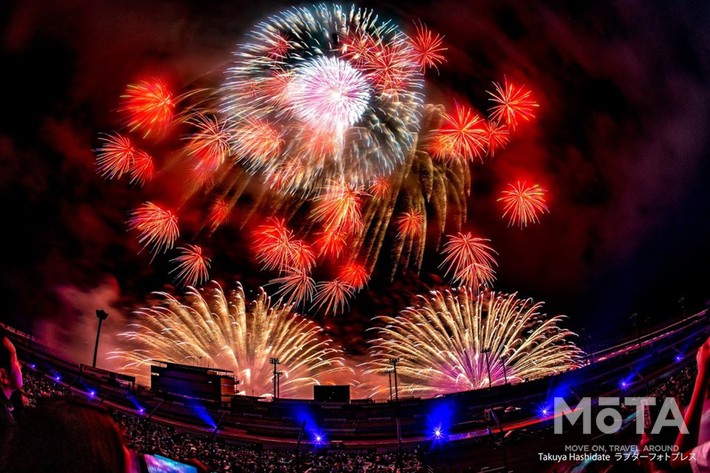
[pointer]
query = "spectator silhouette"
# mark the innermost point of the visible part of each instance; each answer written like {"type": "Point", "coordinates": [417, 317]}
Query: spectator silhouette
{"type": "Point", "coordinates": [63, 435]}
{"type": "Point", "coordinates": [693, 447]}
{"type": "Point", "coordinates": [10, 383]}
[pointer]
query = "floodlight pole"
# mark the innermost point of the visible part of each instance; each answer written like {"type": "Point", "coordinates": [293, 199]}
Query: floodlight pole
{"type": "Point", "coordinates": [275, 361]}
{"type": "Point", "coordinates": [393, 362]}
{"type": "Point", "coordinates": [101, 315]}
{"type": "Point", "coordinates": [487, 351]}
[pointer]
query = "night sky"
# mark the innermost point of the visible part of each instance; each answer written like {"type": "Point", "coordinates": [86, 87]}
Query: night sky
{"type": "Point", "coordinates": [620, 141]}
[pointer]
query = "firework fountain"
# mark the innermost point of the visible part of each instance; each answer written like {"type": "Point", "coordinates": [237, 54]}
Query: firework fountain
{"type": "Point", "coordinates": [223, 330]}
{"type": "Point", "coordinates": [461, 339]}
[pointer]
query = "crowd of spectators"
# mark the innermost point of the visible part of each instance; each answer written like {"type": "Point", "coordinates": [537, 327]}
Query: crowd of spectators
{"type": "Point", "coordinates": [146, 436]}
{"type": "Point", "coordinates": [221, 455]}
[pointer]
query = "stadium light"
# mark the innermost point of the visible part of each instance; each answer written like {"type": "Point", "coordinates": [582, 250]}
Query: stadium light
{"type": "Point", "coordinates": [275, 361]}
{"type": "Point", "coordinates": [487, 352]}
{"type": "Point", "coordinates": [393, 362]}
{"type": "Point", "coordinates": [101, 315]}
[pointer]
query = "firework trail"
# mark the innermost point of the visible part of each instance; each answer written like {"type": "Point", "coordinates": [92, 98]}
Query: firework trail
{"type": "Point", "coordinates": [228, 332]}
{"type": "Point", "coordinates": [442, 343]}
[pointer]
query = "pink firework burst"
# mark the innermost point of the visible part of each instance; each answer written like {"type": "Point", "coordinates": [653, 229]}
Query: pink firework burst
{"type": "Point", "coordinates": [523, 203]}
{"type": "Point", "coordinates": [328, 94]}
{"type": "Point", "coordinates": [339, 208]}
{"type": "Point", "coordinates": [411, 223]}
{"type": "Point", "coordinates": [143, 169]}
{"type": "Point", "coordinates": [512, 104]}
{"type": "Point", "coordinates": [191, 266]}
{"type": "Point", "coordinates": [354, 275]}
{"type": "Point", "coordinates": [157, 228]}
{"type": "Point", "coordinates": [149, 107]}
{"type": "Point", "coordinates": [468, 258]}
{"type": "Point", "coordinates": [297, 287]}
{"type": "Point", "coordinates": [115, 157]}
{"type": "Point", "coordinates": [427, 47]}
{"type": "Point", "coordinates": [332, 296]}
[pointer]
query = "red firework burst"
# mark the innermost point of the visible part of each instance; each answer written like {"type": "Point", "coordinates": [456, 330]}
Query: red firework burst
{"type": "Point", "coordinates": [258, 138]}
{"type": "Point", "coordinates": [143, 168]}
{"type": "Point", "coordinates": [339, 208]}
{"type": "Point", "coordinates": [303, 258]}
{"type": "Point", "coordinates": [463, 134]}
{"type": "Point", "coordinates": [273, 245]}
{"type": "Point", "coordinates": [475, 275]}
{"type": "Point", "coordinates": [208, 146]}
{"type": "Point", "coordinates": [379, 188]}
{"type": "Point", "coordinates": [427, 47]}
{"type": "Point", "coordinates": [158, 228]}
{"type": "Point", "coordinates": [512, 104]}
{"type": "Point", "coordinates": [332, 296]}
{"type": "Point", "coordinates": [218, 214]}
{"type": "Point", "coordinates": [115, 157]}
{"type": "Point", "coordinates": [389, 67]}
{"type": "Point", "coordinates": [297, 287]}
{"type": "Point", "coordinates": [523, 203]}
{"type": "Point", "coordinates": [468, 258]}
{"type": "Point", "coordinates": [192, 266]}
{"type": "Point", "coordinates": [354, 275]}
{"type": "Point", "coordinates": [497, 137]}
{"type": "Point", "coordinates": [411, 223]}
{"type": "Point", "coordinates": [330, 243]}
{"type": "Point", "coordinates": [149, 106]}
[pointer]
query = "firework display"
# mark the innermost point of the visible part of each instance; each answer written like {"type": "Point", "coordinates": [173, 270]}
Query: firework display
{"type": "Point", "coordinates": [317, 138]}
{"type": "Point", "coordinates": [317, 135]}
{"type": "Point", "coordinates": [462, 339]}
{"type": "Point", "coordinates": [210, 327]}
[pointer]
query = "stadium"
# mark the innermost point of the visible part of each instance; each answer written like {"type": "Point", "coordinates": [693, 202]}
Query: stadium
{"type": "Point", "coordinates": [502, 428]}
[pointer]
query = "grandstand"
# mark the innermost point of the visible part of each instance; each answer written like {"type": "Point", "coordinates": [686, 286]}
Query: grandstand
{"type": "Point", "coordinates": [502, 427]}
